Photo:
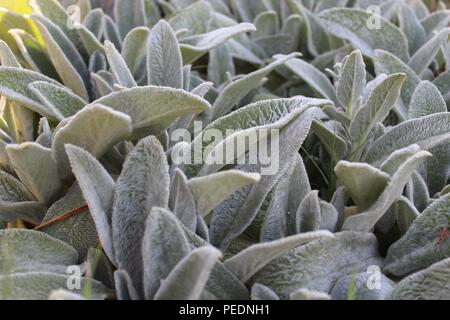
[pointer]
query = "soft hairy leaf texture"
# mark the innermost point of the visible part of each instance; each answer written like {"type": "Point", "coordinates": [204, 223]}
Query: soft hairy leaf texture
{"type": "Point", "coordinates": [27, 251]}
{"type": "Point", "coordinates": [152, 109]}
{"type": "Point", "coordinates": [143, 184]}
{"type": "Point", "coordinates": [420, 246]}
{"type": "Point", "coordinates": [332, 258]}
{"type": "Point", "coordinates": [432, 283]}
{"type": "Point", "coordinates": [116, 116]}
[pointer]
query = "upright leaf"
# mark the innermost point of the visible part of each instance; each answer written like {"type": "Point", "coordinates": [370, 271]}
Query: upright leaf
{"type": "Point", "coordinates": [426, 100]}
{"type": "Point", "coordinates": [249, 261]}
{"type": "Point", "coordinates": [376, 109]}
{"type": "Point", "coordinates": [129, 15]}
{"type": "Point", "coordinates": [90, 129]}
{"type": "Point", "coordinates": [188, 279]}
{"type": "Point", "coordinates": [142, 185]}
{"type": "Point", "coordinates": [164, 62]}
{"type": "Point", "coordinates": [419, 247]}
{"type": "Point", "coordinates": [34, 165]}
{"type": "Point", "coordinates": [355, 26]}
{"type": "Point", "coordinates": [97, 187]}
{"type": "Point", "coordinates": [351, 82]}
{"type": "Point", "coordinates": [164, 245]}
{"type": "Point", "coordinates": [366, 220]}
{"type": "Point", "coordinates": [223, 183]}
{"type": "Point", "coordinates": [118, 66]}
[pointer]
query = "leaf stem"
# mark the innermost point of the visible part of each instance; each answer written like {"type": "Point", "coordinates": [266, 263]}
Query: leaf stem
{"type": "Point", "coordinates": [62, 217]}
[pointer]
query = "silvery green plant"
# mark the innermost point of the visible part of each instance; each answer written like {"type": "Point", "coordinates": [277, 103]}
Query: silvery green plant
{"type": "Point", "coordinates": [91, 94]}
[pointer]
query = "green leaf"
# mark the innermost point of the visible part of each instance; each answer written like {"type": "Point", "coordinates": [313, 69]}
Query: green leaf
{"type": "Point", "coordinates": [97, 187]}
{"type": "Point", "coordinates": [351, 82]}
{"type": "Point", "coordinates": [422, 59]}
{"type": "Point", "coordinates": [62, 294]}
{"type": "Point", "coordinates": [260, 292]}
{"type": "Point", "coordinates": [417, 190]}
{"type": "Point", "coordinates": [163, 234]}
{"type": "Point", "coordinates": [427, 132]}
{"type": "Point", "coordinates": [266, 24]}
{"type": "Point", "coordinates": [39, 286]}
{"type": "Point", "coordinates": [124, 286]}
{"type": "Point", "coordinates": [361, 283]}
{"type": "Point", "coordinates": [78, 230]}
{"type": "Point", "coordinates": [20, 121]}
{"type": "Point", "coordinates": [354, 25]}
{"type": "Point", "coordinates": [7, 57]}
{"type": "Point", "coordinates": [220, 65]}
{"type": "Point", "coordinates": [187, 280]}
{"type": "Point", "coordinates": [14, 85]}
{"type": "Point", "coordinates": [143, 184]}
{"type": "Point", "coordinates": [57, 14]}
{"type": "Point", "coordinates": [366, 220]}
{"type": "Point", "coordinates": [26, 251]}
{"type": "Point", "coordinates": [17, 202]}
{"type": "Point", "coordinates": [285, 198]}
{"type": "Point", "coordinates": [194, 47]}
{"type": "Point", "coordinates": [411, 27]}
{"type": "Point", "coordinates": [249, 261]}
{"type": "Point", "coordinates": [363, 182]}
{"type": "Point", "coordinates": [98, 121]}
{"type": "Point", "coordinates": [335, 145]}
{"type": "Point", "coordinates": [64, 56]}
{"type": "Point", "coordinates": [308, 215]}
{"type": "Point", "coordinates": [94, 21]}
{"type": "Point", "coordinates": [134, 50]}
{"type": "Point", "coordinates": [376, 109]}
{"type": "Point", "coordinates": [112, 32]}
{"type": "Point", "coordinates": [118, 66]}
{"type": "Point", "coordinates": [149, 109]}
{"type": "Point", "coordinates": [246, 9]}
{"type": "Point", "coordinates": [235, 215]}
{"type": "Point", "coordinates": [35, 167]}
{"type": "Point", "coordinates": [33, 52]}
{"type": "Point", "coordinates": [429, 284]}
{"type": "Point", "coordinates": [89, 40]}
{"type": "Point", "coordinates": [436, 21]}
{"type": "Point", "coordinates": [102, 87]}
{"type": "Point", "coordinates": [223, 183]}
{"type": "Point", "coordinates": [333, 258]}
{"type": "Point", "coordinates": [196, 18]}
{"type": "Point", "coordinates": [419, 247]}
{"type": "Point", "coordinates": [164, 62]}
{"type": "Point", "coordinates": [386, 63]}
{"type": "Point", "coordinates": [426, 100]}
{"type": "Point", "coordinates": [233, 93]}
{"type": "Point", "coordinates": [397, 158]}
{"type": "Point", "coordinates": [129, 15]}
{"type": "Point", "coordinates": [59, 100]}
{"type": "Point", "coordinates": [406, 214]}
{"type": "Point", "coordinates": [16, 20]}
{"type": "Point", "coordinates": [313, 77]}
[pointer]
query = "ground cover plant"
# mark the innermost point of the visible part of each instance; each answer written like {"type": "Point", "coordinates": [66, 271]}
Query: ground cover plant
{"type": "Point", "coordinates": [101, 198]}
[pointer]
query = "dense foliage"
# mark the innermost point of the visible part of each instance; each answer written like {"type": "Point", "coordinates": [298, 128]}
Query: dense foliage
{"type": "Point", "coordinates": [92, 95]}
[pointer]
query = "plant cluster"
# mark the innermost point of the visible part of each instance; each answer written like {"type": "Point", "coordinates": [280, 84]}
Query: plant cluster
{"type": "Point", "coordinates": [93, 204]}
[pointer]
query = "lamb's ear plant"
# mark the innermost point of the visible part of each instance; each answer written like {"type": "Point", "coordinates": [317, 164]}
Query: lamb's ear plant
{"type": "Point", "coordinates": [96, 204]}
